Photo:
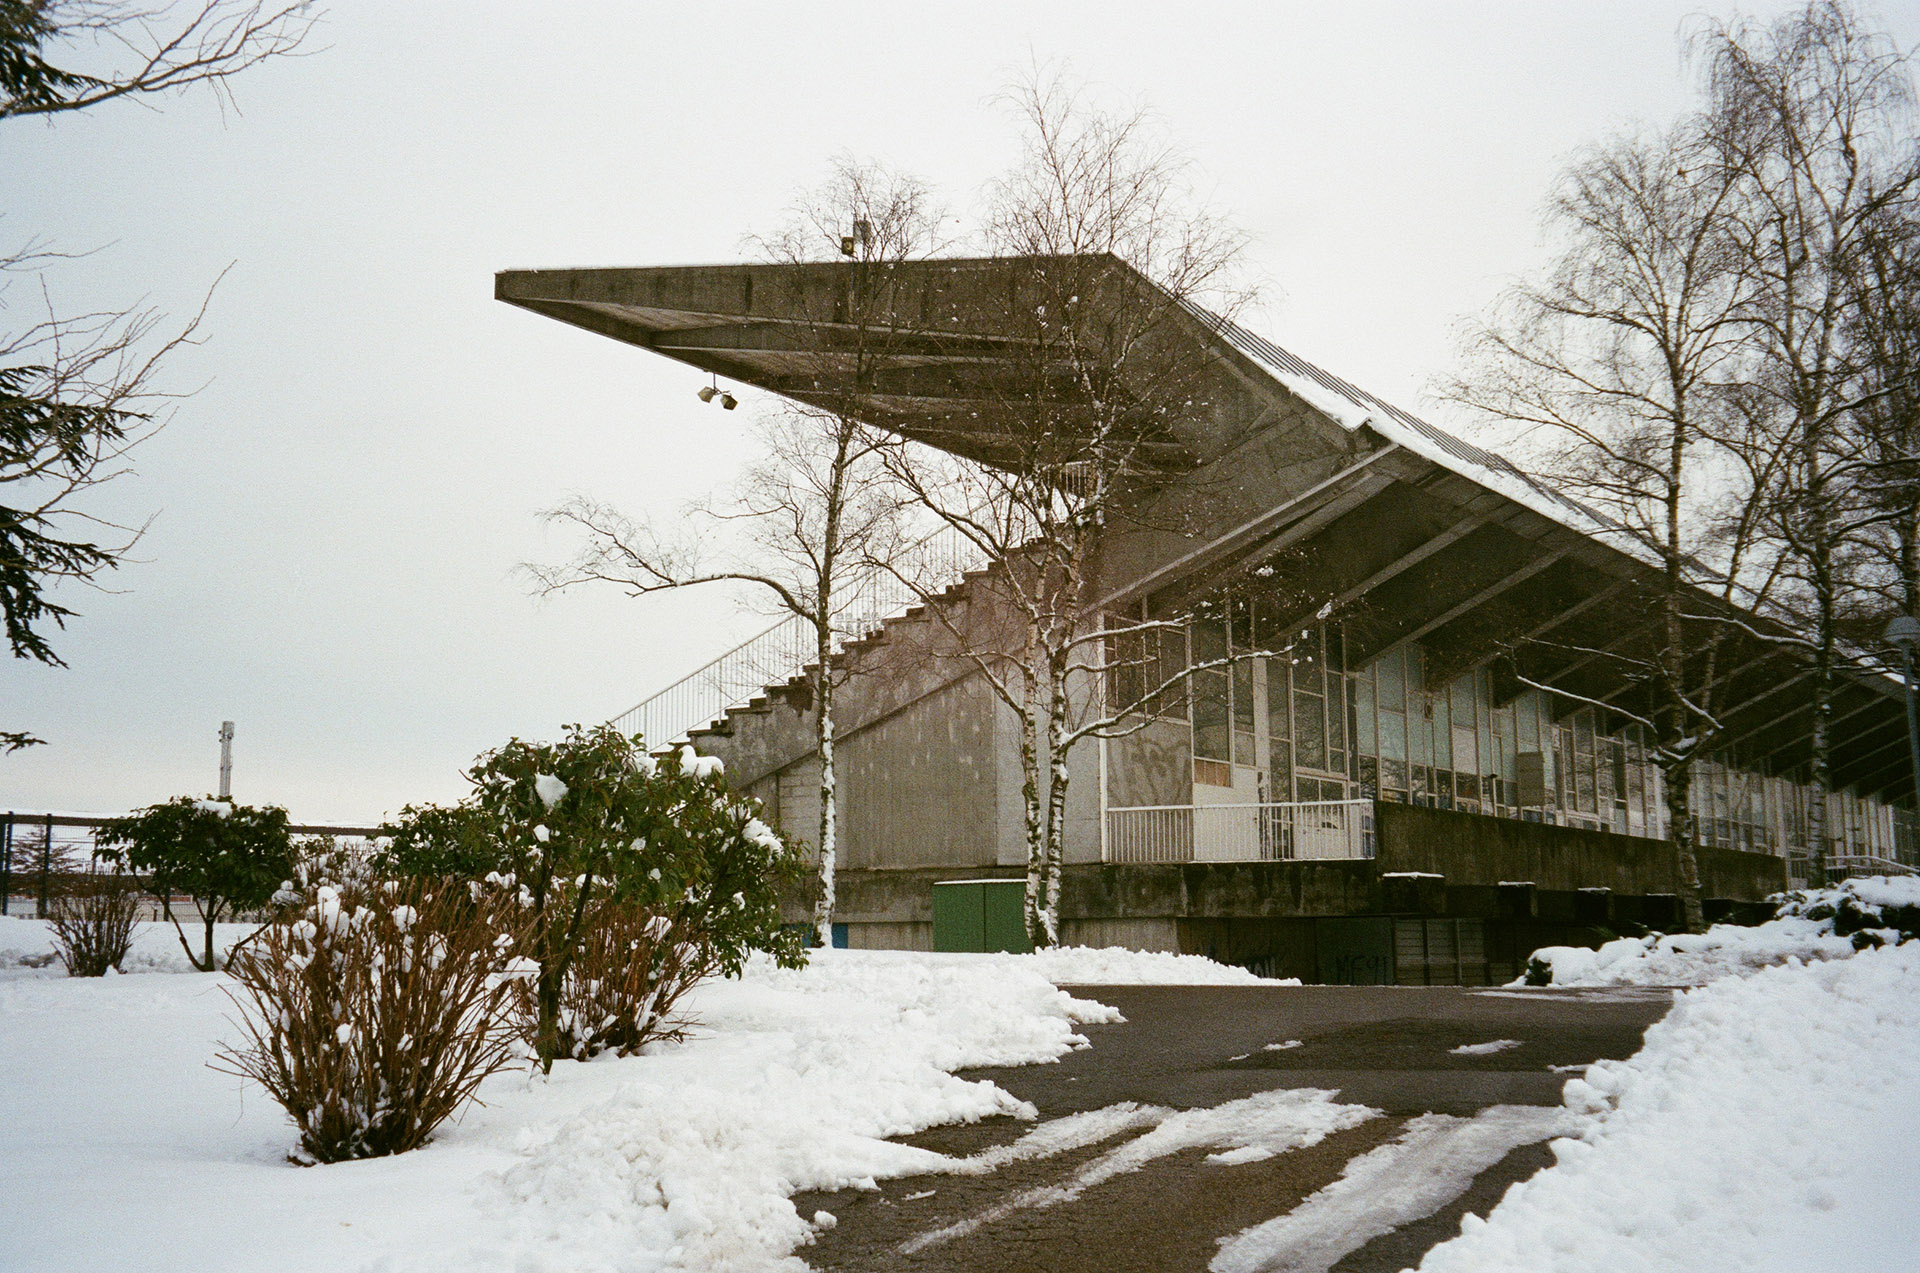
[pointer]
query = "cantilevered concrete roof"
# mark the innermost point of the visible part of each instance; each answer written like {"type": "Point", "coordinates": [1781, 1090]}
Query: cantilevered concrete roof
{"type": "Point", "coordinates": [1326, 493]}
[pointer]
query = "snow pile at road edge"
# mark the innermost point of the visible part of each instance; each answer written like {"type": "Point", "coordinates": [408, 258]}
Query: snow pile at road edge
{"type": "Point", "coordinates": [796, 1082]}
{"type": "Point", "coordinates": [1766, 1123]}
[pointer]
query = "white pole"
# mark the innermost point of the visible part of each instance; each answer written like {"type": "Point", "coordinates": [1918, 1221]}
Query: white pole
{"type": "Point", "coordinates": [226, 760]}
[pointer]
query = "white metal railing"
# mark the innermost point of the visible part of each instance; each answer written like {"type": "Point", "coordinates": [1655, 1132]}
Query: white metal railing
{"type": "Point", "coordinates": [775, 655]}
{"type": "Point", "coordinates": [1852, 865]}
{"type": "Point", "coordinates": [1313, 830]}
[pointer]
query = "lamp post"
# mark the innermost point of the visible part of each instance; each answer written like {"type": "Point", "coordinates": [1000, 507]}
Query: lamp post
{"type": "Point", "coordinates": [1904, 632]}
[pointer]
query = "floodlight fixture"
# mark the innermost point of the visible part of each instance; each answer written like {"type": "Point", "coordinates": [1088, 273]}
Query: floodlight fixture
{"type": "Point", "coordinates": [728, 401]}
{"type": "Point", "coordinates": [707, 392]}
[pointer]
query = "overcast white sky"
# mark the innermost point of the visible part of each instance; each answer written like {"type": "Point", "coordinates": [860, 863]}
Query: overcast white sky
{"type": "Point", "coordinates": [341, 510]}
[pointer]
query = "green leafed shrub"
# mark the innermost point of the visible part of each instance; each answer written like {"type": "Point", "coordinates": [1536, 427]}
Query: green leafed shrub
{"type": "Point", "coordinates": [228, 858]}
{"type": "Point", "coordinates": [615, 850]}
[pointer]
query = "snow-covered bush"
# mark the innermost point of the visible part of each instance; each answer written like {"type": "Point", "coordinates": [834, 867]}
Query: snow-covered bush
{"type": "Point", "coordinates": [1809, 924]}
{"type": "Point", "coordinates": [632, 966]}
{"type": "Point", "coordinates": [372, 1009]}
{"type": "Point", "coordinates": [93, 919]}
{"type": "Point", "coordinates": [683, 876]}
{"type": "Point", "coordinates": [1866, 911]}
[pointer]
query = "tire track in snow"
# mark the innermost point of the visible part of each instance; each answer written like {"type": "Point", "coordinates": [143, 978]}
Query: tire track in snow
{"type": "Point", "coordinates": [1431, 1163]}
{"type": "Point", "coordinates": [1259, 1126]}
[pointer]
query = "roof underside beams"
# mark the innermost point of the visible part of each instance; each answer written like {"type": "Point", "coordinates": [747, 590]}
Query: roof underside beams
{"type": "Point", "coordinates": [932, 362]}
{"type": "Point", "coordinates": [1476, 580]}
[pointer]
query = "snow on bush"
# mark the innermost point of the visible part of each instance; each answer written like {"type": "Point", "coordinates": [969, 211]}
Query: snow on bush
{"type": "Point", "coordinates": [651, 872]}
{"type": "Point", "coordinates": [372, 1010]}
{"type": "Point", "coordinates": [1828, 923]}
{"type": "Point", "coordinates": [1767, 1123]}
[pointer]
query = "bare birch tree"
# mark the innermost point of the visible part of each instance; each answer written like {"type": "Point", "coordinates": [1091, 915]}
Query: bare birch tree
{"type": "Point", "coordinates": [1885, 323]}
{"type": "Point", "coordinates": [1625, 362]}
{"type": "Point", "coordinates": [815, 509]}
{"type": "Point", "coordinates": [1813, 112]}
{"type": "Point", "coordinates": [1109, 254]}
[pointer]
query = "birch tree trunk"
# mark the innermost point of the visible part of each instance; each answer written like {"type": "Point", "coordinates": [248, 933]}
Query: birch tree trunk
{"type": "Point", "coordinates": [829, 798]}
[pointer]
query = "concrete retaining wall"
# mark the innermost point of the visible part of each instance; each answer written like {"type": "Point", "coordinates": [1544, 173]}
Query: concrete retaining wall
{"type": "Point", "coordinates": [1472, 850]}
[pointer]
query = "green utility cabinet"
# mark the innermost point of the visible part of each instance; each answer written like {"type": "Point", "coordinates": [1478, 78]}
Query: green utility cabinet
{"type": "Point", "coordinates": [980, 915]}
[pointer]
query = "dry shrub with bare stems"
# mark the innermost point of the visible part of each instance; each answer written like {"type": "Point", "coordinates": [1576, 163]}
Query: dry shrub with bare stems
{"type": "Point", "coordinates": [632, 965]}
{"type": "Point", "coordinates": [93, 920]}
{"type": "Point", "coordinates": [373, 1010]}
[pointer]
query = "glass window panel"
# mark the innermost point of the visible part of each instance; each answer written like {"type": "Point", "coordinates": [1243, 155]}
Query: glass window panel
{"type": "Point", "coordinates": [1279, 716]}
{"type": "Point", "coordinates": [1466, 751]}
{"type": "Point", "coordinates": [1442, 731]}
{"type": "Point", "coordinates": [1309, 731]}
{"type": "Point", "coordinates": [1209, 640]}
{"type": "Point", "coordinates": [1583, 781]}
{"type": "Point", "coordinates": [1460, 696]}
{"type": "Point", "coordinates": [1393, 779]}
{"type": "Point", "coordinates": [1393, 684]}
{"type": "Point", "coordinates": [1393, 738]}
{"type": "Point", "coordinates": [1126, 665]}
{"type": "Point", "coordinates": [1243, 696]}
{"type": "Point", "coordinates": [1280, 770]}
{"type": "Point", "coordinates": [1309, 673]}
{"type": "Point", "coordinates": [1420, 734]}
{"type": "Point", "coordinates": [1210, 714]}
{"type": "Point", "coordinates": [1173, 661]}
{"type": "Point", "coordinates": [1336, 719]}
{"type": "Point", "coordinates": [1365, 733]}
{"type": "Point", "coordinates": [1563, 767]}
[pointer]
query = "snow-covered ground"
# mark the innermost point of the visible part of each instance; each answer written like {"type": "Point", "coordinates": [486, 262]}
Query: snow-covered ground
{"type": "Point", "coordinates": [1767, 1124]}
{"type": "Point", "coordinates": [121, 1148]}
{"type": "Point", "coordinates": [1805, 930]}
{"type": "Point", "coordinates": [26, 946]}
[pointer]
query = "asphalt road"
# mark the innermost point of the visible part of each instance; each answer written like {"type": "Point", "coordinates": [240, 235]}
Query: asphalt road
{"type": "Point", "coordinates": [1197, 1047]}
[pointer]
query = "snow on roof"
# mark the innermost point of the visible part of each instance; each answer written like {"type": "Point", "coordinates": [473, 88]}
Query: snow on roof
{"type": "Point", "coordinates": [1351, 407]}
